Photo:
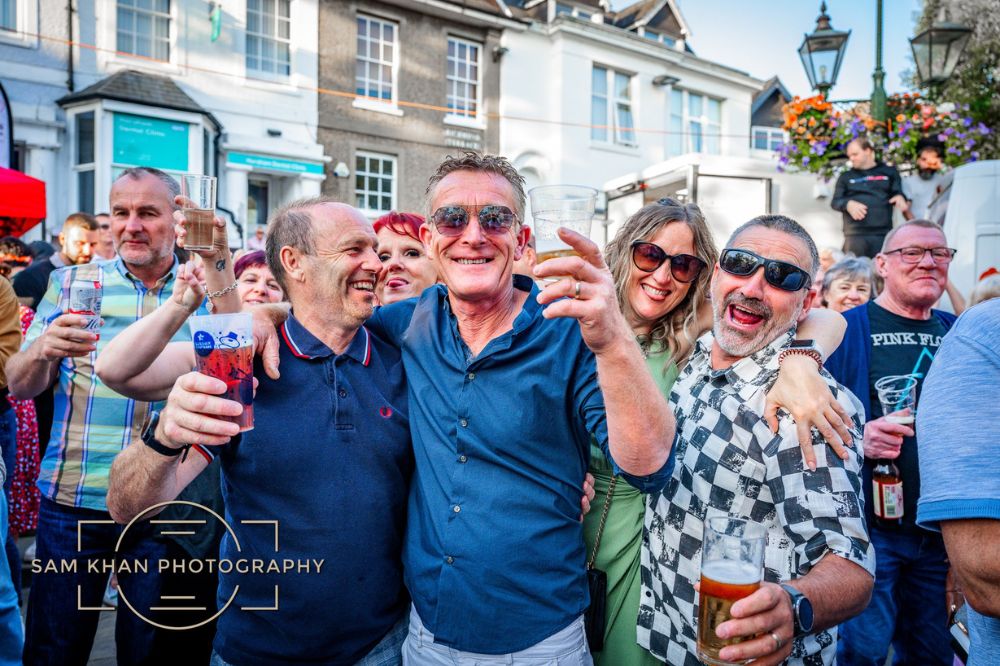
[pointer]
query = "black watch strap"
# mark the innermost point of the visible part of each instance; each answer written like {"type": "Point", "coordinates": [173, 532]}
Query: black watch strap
{"type": "Point", "coordinates": [797, 599]}
{"type": "Point", "coordinates": [148, 437]}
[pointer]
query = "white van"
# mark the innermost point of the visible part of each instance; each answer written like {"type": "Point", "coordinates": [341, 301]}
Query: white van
{"type": "Point", "coordinates": [972, 222]}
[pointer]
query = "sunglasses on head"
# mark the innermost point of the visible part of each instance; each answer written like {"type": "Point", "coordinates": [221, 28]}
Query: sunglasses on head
{"type": "Point", "coordinates": [648, 257]}
{"type": "Point", "coordinates": [493, 219]}
{"type": "Point", "coordinates": [780, 274]}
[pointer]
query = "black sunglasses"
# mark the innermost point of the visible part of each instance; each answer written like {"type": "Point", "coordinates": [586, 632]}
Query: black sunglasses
{"type": "Point", "coordinates": [648, 257]}
{"type": "Point", "coordinates": [780, 274]}
{"type": "Point", "coordinates": [493, 219]}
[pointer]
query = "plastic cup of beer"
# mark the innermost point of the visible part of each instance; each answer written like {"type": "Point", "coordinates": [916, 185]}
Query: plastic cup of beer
{"type": "Point", "coordinates": [554, 206]}
{"type": "Point", "coordinates": [223, 348]}
{"type": "Point", "coordinates": [732, 564]}
{"type": "Point", "coordinates": [199, 210]}
{"type": "Point", "coordinates": [898, 395]}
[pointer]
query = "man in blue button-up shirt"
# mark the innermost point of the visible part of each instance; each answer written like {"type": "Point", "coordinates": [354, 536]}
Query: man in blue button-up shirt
{"type": "Point", "coordinates": [506, 390]}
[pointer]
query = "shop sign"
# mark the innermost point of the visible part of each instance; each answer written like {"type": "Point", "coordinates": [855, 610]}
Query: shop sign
{"type": "Point", "coordinates": [274, 163]}
{"type": "Point", "coordinates": [145, 141]}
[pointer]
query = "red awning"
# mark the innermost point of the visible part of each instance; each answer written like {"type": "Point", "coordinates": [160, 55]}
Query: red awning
{"type": "Point", "coordinates": [22, 202]}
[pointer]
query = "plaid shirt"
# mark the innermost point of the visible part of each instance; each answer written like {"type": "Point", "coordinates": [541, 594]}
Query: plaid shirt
{"type": "Point", "coordinates": [92, 423]}
{"type": "Point", "coordinates": [729, 463]}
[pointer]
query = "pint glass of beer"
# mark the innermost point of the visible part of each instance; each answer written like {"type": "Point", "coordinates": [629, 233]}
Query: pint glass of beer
{"type": "Point", "coordinates": [732, 561]}
{"type": "Point", "coordinates": [554, 206]}
{"type": "Point", "coordinates": [223, 348]}
{"type": "Point", "coordinates": [198, 210]}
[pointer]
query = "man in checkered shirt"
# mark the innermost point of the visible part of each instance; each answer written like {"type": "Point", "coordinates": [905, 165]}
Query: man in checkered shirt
{"type": "Point", "coordinates": [730, 463]}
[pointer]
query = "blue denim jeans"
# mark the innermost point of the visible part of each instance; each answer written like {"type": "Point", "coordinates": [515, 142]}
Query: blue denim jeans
{"type": "Point", "coordinates": [11, 635]}
{"type": "Point", "coordinates": [907, 608]}
{"type": "Point", "coordinates": [8, 444]}
{"type": "Point", "coordinates": [58, 632]}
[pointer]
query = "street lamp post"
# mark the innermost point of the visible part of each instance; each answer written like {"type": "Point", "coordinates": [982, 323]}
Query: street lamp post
{"type": "Point", "coordinates": [936, 51]}
{"type": "Point", "coordinates": [878, 76]}
{"type": "Point", "coordinates": [822, 52]}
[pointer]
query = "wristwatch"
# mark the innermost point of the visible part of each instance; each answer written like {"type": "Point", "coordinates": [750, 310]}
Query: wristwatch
{"type": "Point", "coordinates": [802, 611]}
{"type": "Point", "coordinates": [148, 437]}
{"type": "Point", "coordinates": [804, 347]}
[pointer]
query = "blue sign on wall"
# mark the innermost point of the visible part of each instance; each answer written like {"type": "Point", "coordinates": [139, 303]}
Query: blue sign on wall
{"type": "Point", "coordinates": [275, 163]}
{"type": "Point", "coordinates": [145, 141]}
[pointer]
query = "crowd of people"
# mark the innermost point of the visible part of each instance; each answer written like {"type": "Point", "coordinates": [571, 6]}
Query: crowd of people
{"type": "Point", "coordinates": [462, 436]}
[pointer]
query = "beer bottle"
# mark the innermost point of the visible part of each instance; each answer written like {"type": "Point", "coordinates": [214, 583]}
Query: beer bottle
{"type": "Point", "coordinates": [887, 494]}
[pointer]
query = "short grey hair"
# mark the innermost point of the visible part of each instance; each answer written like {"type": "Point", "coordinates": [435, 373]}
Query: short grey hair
{"type": "Point", "coordinates": [923, 224]}
{"type": "Point", "coordinates": [291, 226]}
{"type": "Point", "coordinates": [139, 172]}
{"type": "Point", "coordinates": [472, 161]}
{"type": "Point", "coordinates": [851, 268]}
{"type": "Point", "coordinates": [785, 225]}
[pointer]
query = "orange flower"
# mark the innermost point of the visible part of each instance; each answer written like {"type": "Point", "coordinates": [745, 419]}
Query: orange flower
{"type": "Point", "coordinates": [801, 130]}
{"type": "Point", "coordinates": [810, 139]}
{"type": "Point", "coordinates": [900, 118]}
{"type": "Point", "coordinates": [812, 122]}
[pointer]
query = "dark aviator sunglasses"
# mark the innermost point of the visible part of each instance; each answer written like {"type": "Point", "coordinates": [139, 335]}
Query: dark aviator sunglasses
{"type": "Point", "coordinates": [780, 274]}
{"type": "Point", "coordinates": [648, 257]}
{"type": "Point", "coordinates": [493, 219]}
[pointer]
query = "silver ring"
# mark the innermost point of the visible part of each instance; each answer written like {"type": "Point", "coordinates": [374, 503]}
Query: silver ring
{"type": "Point", "coordinates": [576, 291]}
{"type": "Point", "coordinates": [777, 641]}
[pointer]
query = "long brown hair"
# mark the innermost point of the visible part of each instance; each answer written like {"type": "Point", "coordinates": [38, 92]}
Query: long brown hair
{"type": "Point", "coordinates": [643, 225]}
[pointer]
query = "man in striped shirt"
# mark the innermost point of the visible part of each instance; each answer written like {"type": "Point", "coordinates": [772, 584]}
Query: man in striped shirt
{"type": "Point", "coordinates": [90, 426]}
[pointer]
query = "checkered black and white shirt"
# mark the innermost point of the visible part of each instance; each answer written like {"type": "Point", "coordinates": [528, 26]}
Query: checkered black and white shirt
{"type": "Point", "coordinates": [729, 463]}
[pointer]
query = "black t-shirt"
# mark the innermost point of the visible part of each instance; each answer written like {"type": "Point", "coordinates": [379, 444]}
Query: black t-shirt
{"type": "Point", "coordinates": [902, 346]}
{"type": "Point", "coordinates": [33, 281]}
{"type": "Point", "coordinates": [872, 187]}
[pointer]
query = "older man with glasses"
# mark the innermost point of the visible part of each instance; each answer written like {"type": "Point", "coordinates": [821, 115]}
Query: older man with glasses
{"type": "Point", "coordinates": [898, 333]}
{"type": "Point", "coordinates": [818, 562]}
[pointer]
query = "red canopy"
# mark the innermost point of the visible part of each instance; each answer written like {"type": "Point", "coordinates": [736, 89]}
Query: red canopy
{"type": "Point", "coordinates": [22, 202]}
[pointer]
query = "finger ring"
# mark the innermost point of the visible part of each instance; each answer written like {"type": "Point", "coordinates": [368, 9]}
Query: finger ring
{"type": "Point", "coordinates": [576, 291]}
{"type": "Point", "coordinates": [777, 641]}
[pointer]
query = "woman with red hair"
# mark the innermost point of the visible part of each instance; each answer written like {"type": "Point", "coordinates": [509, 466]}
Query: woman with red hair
{"type": "Point", "coordinates": [254, 280]}
{"type": "Point", "coordinates": [408, 269]}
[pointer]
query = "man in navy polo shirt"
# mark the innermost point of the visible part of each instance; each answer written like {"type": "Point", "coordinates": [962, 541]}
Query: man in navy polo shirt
{"type": "Point", "coordinates": [329, 459]}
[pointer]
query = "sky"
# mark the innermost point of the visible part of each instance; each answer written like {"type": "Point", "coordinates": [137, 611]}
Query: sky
{"type": "Point", "coordinates": [762, 37]}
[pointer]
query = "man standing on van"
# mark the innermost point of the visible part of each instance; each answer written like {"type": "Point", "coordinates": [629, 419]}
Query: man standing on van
{"type": "Point", "coordinates": [866, 194]}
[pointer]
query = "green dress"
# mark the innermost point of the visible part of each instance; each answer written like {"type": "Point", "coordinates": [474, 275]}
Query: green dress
{"type": "Point", "coordinates": [619, 552]}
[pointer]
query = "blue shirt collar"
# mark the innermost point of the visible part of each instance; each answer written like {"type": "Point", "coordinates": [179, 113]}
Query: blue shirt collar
{"type": "Point", "coordinates": [304, 344]}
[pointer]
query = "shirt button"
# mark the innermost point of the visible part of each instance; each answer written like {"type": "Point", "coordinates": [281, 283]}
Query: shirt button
{"type": "Point", "coordinates": [456, 508]}
{"type": "Point", "coordinates": [463, 459]}
{"type": "Point", "coordinates": [464, 423]}
{"type": "Point", "coordinates": [342, 393]}
{"type": "Point", "coordinates": [471, 376]}
{"type": "Point", "coordinates": [449, 559]}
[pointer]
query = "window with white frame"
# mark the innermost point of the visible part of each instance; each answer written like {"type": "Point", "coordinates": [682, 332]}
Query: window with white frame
{"type": "Point", "coordinates": [563, 9]}
{"type": "Point", "coordinates": [8, 15]}
{"type": "Point", "coordinates": [375, 182]}
{"type": "Point", "coordinates": [269, 43]}
{"type": "Point", "coordinates": [144, 28]}
{"type": "Point", "coordinates": [695, 123]}
{"type": "Point", "coordinates": [611, 107]}
{"type": "Point", "coordinates": [463, 87]}
{"type": "Point", "coordinates": [658, 36]}
{"type": "Point", "coordinates": [84, 160]}
{"type": "Point", "coordinates": [766, 138]}
{"type": "Point", "coordinates": [375, 67]}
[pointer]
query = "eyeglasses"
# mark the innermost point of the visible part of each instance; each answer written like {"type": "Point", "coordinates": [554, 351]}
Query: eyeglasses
{"type": "Point", "coordinates": [493, 219]}
{"type": "Point", "coordinates": [914, 254]}
{"type": "Point", "coordinates": [648, 257]}
{"type": "Point", "coordinates": [780, 274]}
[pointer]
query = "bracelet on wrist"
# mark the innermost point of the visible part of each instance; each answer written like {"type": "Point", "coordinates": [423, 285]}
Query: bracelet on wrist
{"type": "Point", "coordinates": [212, 295]}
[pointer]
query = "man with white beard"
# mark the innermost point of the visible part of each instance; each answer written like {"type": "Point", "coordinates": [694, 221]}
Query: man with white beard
{"type": "Point", "coordinates": [818, 561]}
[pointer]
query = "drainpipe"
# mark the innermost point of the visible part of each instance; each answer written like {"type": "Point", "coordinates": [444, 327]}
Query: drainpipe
{"type": "Point", "coordinates": [69, 32]}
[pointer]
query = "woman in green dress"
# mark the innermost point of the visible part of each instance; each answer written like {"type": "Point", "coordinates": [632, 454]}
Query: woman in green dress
{"type": "Point", "coordinates": [662, 260]}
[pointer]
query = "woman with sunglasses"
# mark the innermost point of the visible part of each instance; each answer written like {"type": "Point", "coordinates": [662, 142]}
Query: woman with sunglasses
{"type": "Point", "coordinates": [661, 262]}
